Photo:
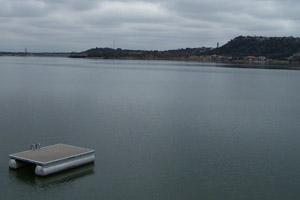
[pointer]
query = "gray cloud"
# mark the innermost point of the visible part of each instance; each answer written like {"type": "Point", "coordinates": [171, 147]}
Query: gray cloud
{"type": "Point", "coordinates": [73, 25]}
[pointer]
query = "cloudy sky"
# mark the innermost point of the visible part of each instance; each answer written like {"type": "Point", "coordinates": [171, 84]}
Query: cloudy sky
{"type": "Point", "coordinates": [77, 25]}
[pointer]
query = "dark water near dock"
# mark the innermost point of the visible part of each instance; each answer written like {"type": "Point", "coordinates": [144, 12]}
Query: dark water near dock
{"type": "Point", "coordinates": [161, 130]}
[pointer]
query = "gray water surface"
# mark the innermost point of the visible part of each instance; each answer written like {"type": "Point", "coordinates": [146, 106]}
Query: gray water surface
{"type": "Point", "coordinates": [161, 129]}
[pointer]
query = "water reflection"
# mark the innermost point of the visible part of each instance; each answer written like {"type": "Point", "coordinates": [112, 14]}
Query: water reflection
{"type": "Point", "coordinates": [26, 175]}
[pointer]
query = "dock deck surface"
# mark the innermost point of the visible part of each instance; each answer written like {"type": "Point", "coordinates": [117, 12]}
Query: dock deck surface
{"type": "Point", "coordinates": [51, 154]}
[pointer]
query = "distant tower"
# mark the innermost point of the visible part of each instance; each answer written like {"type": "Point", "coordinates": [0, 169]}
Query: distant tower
{"type": "Point", "coordinates": [114, 44]}
{"type": "Point", "coordinates": [218, 45]}
{"type": "Point", "coordinates": [25, 51]}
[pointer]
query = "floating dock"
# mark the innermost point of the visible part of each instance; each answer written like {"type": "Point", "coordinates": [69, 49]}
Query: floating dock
{"type": "Point", "coordinates": [52, 159]}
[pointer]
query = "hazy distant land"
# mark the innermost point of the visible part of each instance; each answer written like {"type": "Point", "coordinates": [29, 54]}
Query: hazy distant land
{"type": "Point", "coordinates": [254, 50]}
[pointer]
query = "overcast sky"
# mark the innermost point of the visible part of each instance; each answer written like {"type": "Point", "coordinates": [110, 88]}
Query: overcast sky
{"type": "Point", "coordinates": [77, 25]}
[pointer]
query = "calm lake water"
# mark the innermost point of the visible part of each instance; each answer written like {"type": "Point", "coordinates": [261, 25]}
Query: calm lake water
{"type": "Point", "coordinates": [161, 130]}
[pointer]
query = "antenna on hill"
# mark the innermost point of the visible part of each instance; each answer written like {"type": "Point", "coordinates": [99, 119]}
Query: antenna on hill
{"type": "Point", "coordinates": [114, 44]}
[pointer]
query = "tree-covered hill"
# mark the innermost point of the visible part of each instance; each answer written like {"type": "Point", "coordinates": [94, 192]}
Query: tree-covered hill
{"type": "Point", "coordinates": [143, 54]}
{"type": "Point", "coordinates": [280, 48]}
{"type": "Point", "coordinates": [240, 48]}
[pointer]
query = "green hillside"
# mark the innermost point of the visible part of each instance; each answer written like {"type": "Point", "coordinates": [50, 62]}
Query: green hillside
{"type": "Point", "coordinates": [280, 48]}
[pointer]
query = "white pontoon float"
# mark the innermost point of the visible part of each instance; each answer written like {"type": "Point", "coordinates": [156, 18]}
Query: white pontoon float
{"type": "Point", "coordinates": [52, 159]}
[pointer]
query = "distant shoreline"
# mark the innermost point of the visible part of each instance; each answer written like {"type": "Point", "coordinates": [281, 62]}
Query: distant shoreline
{"type": "Point", "coordinates": [240, 52]}
{"type": "Point", "coordinates": [279, 65]}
